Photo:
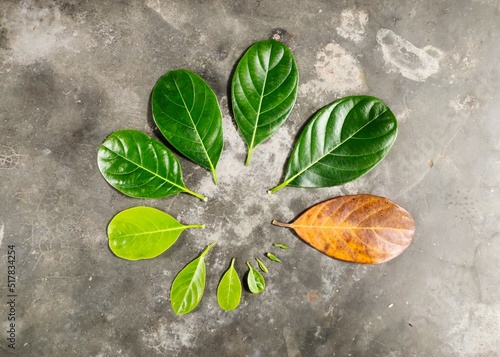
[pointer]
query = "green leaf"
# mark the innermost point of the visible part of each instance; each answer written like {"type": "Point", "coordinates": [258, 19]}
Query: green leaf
{"type": "Point", "coordinates": [229, 290]}
{"type": "Point", "coordinates": [342, 142]}
{"type": "Point", "coordinates": [280, 245]}
{"type": "Point", "coordinates": [255, 280]}
{"type": "Point", "coordinates": [262, 266]}
{"type": "Point", "coordinates": [141, 167]}
{"type": "Point", "coordinates": [263, 91]}
{"type": "Point", "coordinates": [189, 285]}
{"type": "Point", "coordinates": [187, 113]}
{"type": "Point", "coordinates": [143, 233]}
{"type": "Point", "coordinates": [273, 257]}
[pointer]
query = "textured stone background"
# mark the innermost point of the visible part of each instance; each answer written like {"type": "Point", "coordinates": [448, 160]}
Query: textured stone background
{"type": "Point", "coordinates": [72, 72]}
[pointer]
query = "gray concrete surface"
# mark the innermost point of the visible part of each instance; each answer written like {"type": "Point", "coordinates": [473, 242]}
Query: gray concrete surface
{"type": "Point", "coordinates": [72, 72]}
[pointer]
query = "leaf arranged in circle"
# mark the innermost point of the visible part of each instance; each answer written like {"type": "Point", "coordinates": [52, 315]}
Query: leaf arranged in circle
{"type": "Point", "coordinates": [141, 167]}
{"type": "Point", "coordinates": [360, 228]}
{"type": "Point", "coordinates": [255, 281]}
{"type": "Point", "coordinates": [143, 233]}
{"type": "Point", "coordinates": [263, 91]}
{"type": "Point", "coordinates": [187, 112]}
{"type": "Point", "coordinates": [342, 142]}
{"type": "Point", "coordinates": [229, 289]}
{"type": "Point", "coordinates": [189, 285]}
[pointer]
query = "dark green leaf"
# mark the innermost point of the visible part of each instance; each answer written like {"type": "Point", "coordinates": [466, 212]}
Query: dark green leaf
{"type": "Point", "coordinates": [189, 285]}
{"type": "Point", "coordinates": [342, 142]}
{"type": "Point", "coordinates": [143, 233]}
{"type": "Point", "coordinates": [187, 113]}
{"type": "Point", "coordinates": [280, 245]}
{"type": "Point", "coordinates": [262, 266]}
{"type": "Point", "coordinates": [263, 91]}
{"type": "Point", "coordinates": [141, 167]}
{"type": "Point", "coordinates": [229, 290]}
{"type": "Point", "coordinates": [273, 257]}
{"type": "Point", "coordinates": [255, 280]}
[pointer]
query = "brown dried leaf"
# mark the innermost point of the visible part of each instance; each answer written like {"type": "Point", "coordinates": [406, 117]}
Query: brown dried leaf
{"type": "Point", "coordinates": [360, 228]}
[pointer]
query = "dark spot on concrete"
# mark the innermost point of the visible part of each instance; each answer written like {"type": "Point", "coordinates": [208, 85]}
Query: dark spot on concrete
{"type": "Point", "coordinates": [222, 52]}
{"type": "Point", "coordinates": [312, 296]}
{"type": "Point", "coordinates": [282, 35]}
{"type": "Point", "coordinates": [3, 38]}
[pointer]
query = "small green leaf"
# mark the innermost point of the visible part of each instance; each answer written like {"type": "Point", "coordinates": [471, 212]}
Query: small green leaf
{"type": "Point", "coordinates": [342, 142]}
{"type": "Point", "coordinates": [263, 91]}
{"type": "Point", "coordinates": [280, 245]}
{"type": "Point", "coordinates": [143, 233]}
{"type": "Point", "coordinates": [187, 112]}
{"type": "Point", "coordinates": [262, 266]}
{"type": "Point", "coordinates": [273, 257]}
{"type": "Point", "coordinates": [255, 280]}
{"type": "Point", "coordinates": [189, 285]}
{"type": "Point", "coordinates": [138, 166]}
{"type": "Point", "coordinates": [229, 289]}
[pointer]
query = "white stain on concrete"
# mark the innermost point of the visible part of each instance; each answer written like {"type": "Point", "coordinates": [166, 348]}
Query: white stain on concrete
{"type": "Point", "coordinates": [169, 12]}
{"type": "Point", "coordinates": [467, 103]}
{"type": "Point", "coordinates": [1, 233]}
{"type": "Point", "coordinates": [402, 56]}
{"type": "Point", "coordinates": [337, 72]}
{"type": "Point", "coordinates": [352, 24]}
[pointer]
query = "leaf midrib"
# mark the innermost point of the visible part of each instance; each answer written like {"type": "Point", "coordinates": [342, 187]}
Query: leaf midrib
{"type": "Point", "coordinates": [192, 121]}
{"type": "Point", "coordinates": [154, 232]}
{"type": "Point", "coordinates": [145, 169]}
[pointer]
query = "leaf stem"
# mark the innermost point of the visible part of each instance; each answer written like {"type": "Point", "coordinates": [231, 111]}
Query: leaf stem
{"type": "Point", "coordinates": [214, 174]}
{"type": "Point", "coordinates": [201, 197]}
{"type": "Point", "coordinates": [280, 224]}
{"type": "Point", "coordinates": [277, 188]}
{"type": "Point", "coordinates": [232, 262]}
{"type": "Point", "coordinates": [249, 155]}
{"type": "Point", "coordinates": [208, 248]}
{"type": "Point", "coordinates": [201, 226]}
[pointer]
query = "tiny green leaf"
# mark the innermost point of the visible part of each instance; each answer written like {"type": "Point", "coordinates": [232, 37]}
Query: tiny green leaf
{"type": "Point", "coordinates": [343, 141]}
{"type": "Point", "coordinates": [143, 233]}
{"type": "Point", "coordinates": [187, 112]}
{"type": "Point", "coordinates": [229, 289]}
{"type": "Point", "coordinates": [263, 91]}
{"type": "Point", "coordinates": [280, 245]}
{"type": "Point", "coordinates": [262, 266]}
{"type": "Point", "coordinates": [273, 257]}
{"type": "Point", "coordinates": [189, 285]}
{"type": "Point", "coordinates": [255, 280]}
{"type": "Point", "coordinates": [138, 166]}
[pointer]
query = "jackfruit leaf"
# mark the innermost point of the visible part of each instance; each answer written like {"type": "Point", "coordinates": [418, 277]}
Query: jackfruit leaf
{"type": "Point", "coordinates": [139, 166]}
{"type": "Point", "coordinates": [229, 289]}
{"type": "Point", "coordinates": [255, 280]}
{"type": "Point", "coordinates": [189, 285]}
{"type": "Point", "coordinates": [263, 91]}
{"type": "Point", "coordinates": [342, 141]}
{"type": "Point", "coordinates": [187, 112]}
{"type": "Point", "coordinates": [360, 228]}
{"type": "Point", "coordinates": [143, 233]}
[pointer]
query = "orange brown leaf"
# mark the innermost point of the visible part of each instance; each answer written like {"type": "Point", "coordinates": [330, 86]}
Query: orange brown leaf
{"type": "Point", "coordinates": [360, 228]}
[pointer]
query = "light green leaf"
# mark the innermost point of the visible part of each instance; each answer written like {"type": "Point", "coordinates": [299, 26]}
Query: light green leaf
{"type": "Point", "coordinates": [263, 91]}
{"type": "Point", "coordinates": [262, 266]}
{"type": "Point", "coordinates": [273, 257]}
{"type": "Point", "coordinates": [189, 285]}
{"type": "Point", "coordinates": [280, 245]}
{"type": "Point", "coordinates": [143, 233]}
{"type": "Point", "coordinates": [187, 113]}
{"type": "Point", "coordinates": [342, 142]}
{"type": "Point", "coordinates": [141, 167]}
{"type": "Point", "coordinates": [229, 289]}
{"type": "Point", "coordinates": [255, 281]}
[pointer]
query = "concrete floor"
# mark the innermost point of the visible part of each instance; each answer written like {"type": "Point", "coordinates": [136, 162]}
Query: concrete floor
{"type": "Point", "coordinates": [72, 72]}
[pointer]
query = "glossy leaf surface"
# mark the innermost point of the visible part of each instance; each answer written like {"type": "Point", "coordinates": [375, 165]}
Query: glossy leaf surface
{"type": "Point", "coordinates": [143, 233]}
{"type": "Point", "coordinates": [255, 281]}
{"type": "Point", "coordinates": [361, 228]}
{"type": "Point", "coordinates": [273, 257]}
{"type": "Point", "coordinates": [342, 142]}
{"type": "Point", "coordinates": [140, 166]}
{"type": "Point", "coordinates": [229, 289]}
{"type": "Point", "coordinates": [263, 91]}
{"type": "Point", "coordinates": [187, 112]}
{"type": "Point", "coordinates": [189, 285]}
